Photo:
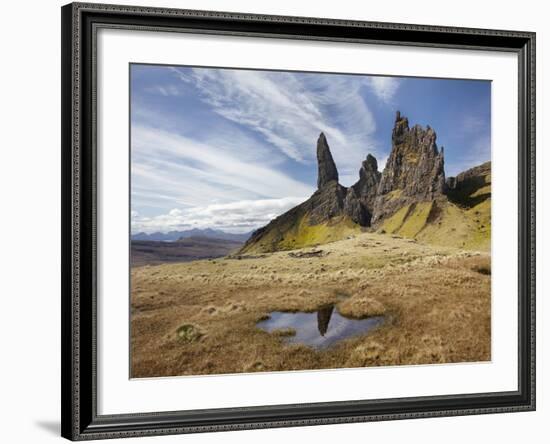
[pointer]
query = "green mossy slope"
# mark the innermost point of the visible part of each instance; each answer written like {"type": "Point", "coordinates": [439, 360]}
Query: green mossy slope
{"type": "Point", "coordinates": [300, 234]}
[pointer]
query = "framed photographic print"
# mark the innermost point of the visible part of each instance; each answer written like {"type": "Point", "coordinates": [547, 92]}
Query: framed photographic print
{"type": "Point", "coordinates": [280, 221]}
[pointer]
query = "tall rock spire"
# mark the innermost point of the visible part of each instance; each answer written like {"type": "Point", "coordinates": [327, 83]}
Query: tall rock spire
{"type": "Point", "coordinates": [414, 171]}
{"type": "Point", "coordinates": [326, 165]}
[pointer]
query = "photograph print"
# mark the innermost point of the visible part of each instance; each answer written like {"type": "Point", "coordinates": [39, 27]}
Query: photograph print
{"type": "Point", "coordinates": [286, 221]}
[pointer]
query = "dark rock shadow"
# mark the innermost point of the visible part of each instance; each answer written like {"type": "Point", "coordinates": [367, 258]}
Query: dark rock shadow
{"type": "Point", "coordinates": [463, 200]}
{"type": "Point", "coordinates": [323, 318]}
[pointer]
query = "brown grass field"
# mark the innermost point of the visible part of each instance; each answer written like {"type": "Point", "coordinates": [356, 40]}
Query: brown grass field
{"type": "Point", "coordinates": [200, 317]}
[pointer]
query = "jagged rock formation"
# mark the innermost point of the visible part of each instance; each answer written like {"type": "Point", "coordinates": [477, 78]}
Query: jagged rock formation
{"type": "Point", "coordinates": [414, 171]}
{"type": "Point", "coordinates": [365, 191]}
{"type": "Point", "coordinates": [369, 178]}
{"type": "Point", "coordinates": [355, 209]}
{"type": "Point", "coordinates": [327, 171]}
{"type": "Point", "coordinates": [332, 212]}
{"type": "Point", "coordinates": [462, 218]}
{"type": "Point", "coordinates": [410, 194]}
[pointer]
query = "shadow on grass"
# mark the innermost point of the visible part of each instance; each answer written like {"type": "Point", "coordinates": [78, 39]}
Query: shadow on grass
{"type": "Point", "coordinates": [464, 200]}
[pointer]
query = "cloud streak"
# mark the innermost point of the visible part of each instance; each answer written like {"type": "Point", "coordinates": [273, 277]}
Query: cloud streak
{"type": "Point", "coordinates": [289, 110]}
{"type": "Point", "coordinates": [267, 123]}
{"type": "Point", "coordinates": [183, 171]}
{"type": "Point", "coordinates": [238, 217]}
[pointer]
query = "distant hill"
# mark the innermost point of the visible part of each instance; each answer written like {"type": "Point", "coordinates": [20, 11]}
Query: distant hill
{"type": "Point", "coordinates": [410, 198]}
{"type": "Point", "coordinates": [146, 252]}
{"type": "Point", "coordinates": [195, 232]}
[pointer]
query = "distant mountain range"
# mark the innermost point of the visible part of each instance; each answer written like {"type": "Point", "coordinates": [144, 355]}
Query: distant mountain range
{"type": "Point", "coordinates": [210, 233]}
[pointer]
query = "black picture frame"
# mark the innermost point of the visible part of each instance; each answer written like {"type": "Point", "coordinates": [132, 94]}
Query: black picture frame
{"type": "Point", "coordinates": [80, 22]}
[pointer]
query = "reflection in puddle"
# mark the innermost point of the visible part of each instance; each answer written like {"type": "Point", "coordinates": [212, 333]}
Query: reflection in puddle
{"type": "Point", "coordinates": [319, 329]}
{"type": "Point", "coordinates": [323, 318]}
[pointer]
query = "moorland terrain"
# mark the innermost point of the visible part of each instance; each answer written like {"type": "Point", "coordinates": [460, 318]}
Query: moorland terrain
{"type": "Point", "coordinates": [406, 244]}
{"type": "Point", "coordinates": [146, 252]}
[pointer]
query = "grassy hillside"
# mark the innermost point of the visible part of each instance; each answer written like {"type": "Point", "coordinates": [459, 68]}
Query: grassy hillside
{"type": "Point", "coordinates": [299, 233]}
{"type": "Point", "coordinates": [462, 220]}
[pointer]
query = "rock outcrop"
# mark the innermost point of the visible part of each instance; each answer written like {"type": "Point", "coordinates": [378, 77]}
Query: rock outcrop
{"type": "Point", "coordinates": [332, 199]}
{"type": "Point", "coordinates": [327, 171]}
{"type": "Point", "coordinates": [413, 181]}
{"type": "Point", "coordinates": [461, 218]}
{"type": "Point", "coordinates": [473, 178]}
{"type": "Point", "coordinates": [331, 205]}
{"type": "Point", "coordinates": [364, 191]}
{"type": "Point", "coordinates": [355, 209]}
{"type": "Point", "coordinates": [369, 179]}
{"type": "Point", "coordinates": [414, 171]}
{"type": "Point", "coordinates": [470, 187]}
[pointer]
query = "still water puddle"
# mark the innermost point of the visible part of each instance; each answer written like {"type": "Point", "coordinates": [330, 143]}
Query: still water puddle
{"type": "Point", "coordinates": [319, 329]}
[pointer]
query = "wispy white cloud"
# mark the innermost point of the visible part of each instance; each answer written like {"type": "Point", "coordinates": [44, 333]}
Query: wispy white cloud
{"type": "Point", "coordinates": [289, 111]}
{"type": "Point", "coordinates": [233, 169]}
{"type": "Point", "coordinates": [239, 216]}
{"type": "Point", "coordinates": [191, 173]}
{"type": "Point", "coordinates": [164, 90]}
{"type": "Point", "coordinates": [384, 88]}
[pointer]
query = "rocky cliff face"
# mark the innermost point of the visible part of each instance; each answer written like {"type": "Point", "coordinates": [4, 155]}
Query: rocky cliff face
{"type": "Point", "coordinates": [461, 218]}
{"type": "Point", "coordinates": [414, 171]}
{"type": "Point", "coordinates": [332, 211]}
{"type": "Point", "coordinates": [473, 178]}
{"type": "Point", "coordinates": [470, 187]}
{"type": "Point", "coordinates": [365, 191]}
{"type": "Point", "coordinates": [332, 199]}
{"type": "Point", "coordinates": [413, 180]}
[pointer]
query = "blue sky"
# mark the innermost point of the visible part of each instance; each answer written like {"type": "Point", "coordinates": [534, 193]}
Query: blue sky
{"type": "Point", "coordinates": [231, 149]}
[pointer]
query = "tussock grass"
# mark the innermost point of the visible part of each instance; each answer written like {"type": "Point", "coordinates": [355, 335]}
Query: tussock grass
{"type": "Point", "coordinates": [435, 301]}
{"type": "Point", "coordinates": [284, 332]}
{"type": "Point", "coordinates": [361, 306]}
{"type": "Point", "coordinates": [188, 333]}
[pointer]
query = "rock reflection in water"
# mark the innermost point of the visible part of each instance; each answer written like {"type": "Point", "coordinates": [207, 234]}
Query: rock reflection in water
{"type": "Point", "coordinates": [319, 329]}
{"type": "Point", "coordinates": [323, 318]}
